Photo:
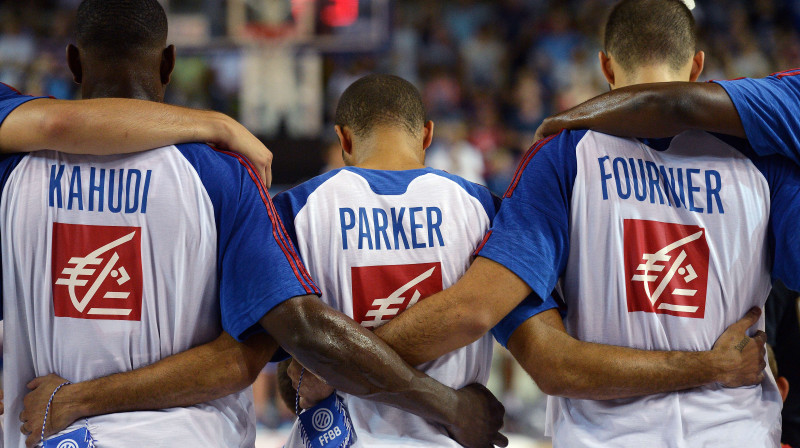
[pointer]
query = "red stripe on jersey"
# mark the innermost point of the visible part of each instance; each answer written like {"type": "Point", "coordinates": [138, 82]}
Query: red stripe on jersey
{"type": "Point", "coordinates": [288, 250]}
{"type": "Point", "coordinates": [783, 75]}
{"type": "Point", "coordinates": [732, 79]}
{"type": "Point", "coordinates": [524, 163]}
{"type": "Point", "coordinates": [483, 243]}
{"type": "Point", "coordinates": [12, 88]}
{"type": "Point", "coordinates": [282, 229]}
{"type": "Point", "coordinates": [786, 71]}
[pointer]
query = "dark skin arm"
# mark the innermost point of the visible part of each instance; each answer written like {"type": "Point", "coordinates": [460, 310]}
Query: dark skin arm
{"type": "Point", "coordinates": [227, 367]}
{"type": "Point", "coordinates": [652, 111]}
{"type": "Point", "coordinates": [117, 126]}
{"type": "Point", "coordinates": [488, 291]}
{"type": "Point", "coordinates": [324, 340]}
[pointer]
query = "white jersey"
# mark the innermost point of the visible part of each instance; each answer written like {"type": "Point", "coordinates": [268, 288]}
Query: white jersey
{"type": "Point", "coordinates": [377, 242]}
{"type": "Point", "coordinates": [113, 263]}
{"type": "Point", "coordinates": [659, 250]}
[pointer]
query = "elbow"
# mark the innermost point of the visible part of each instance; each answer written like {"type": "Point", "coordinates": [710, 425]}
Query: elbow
{"type": "Point", "coordinates": [552, 385]}
{"type": "Point", "coordinates": [470, 321]}
{"type": "Point", "coordinates": [55, 124]}
{"type": "Point", "coordinates": [306, 326]}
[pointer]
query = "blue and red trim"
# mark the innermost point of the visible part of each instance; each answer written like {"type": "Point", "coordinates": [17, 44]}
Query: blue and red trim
{"type": "Point", "coordinates": [524, 163]}
{"type": "Point", "coordinates": [483, 243]}
{"type": "Point", "coordinates": [278, 231]}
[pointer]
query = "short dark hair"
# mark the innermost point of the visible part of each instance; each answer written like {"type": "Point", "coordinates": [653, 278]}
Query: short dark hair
{"type": "Point", "coordinates": [645, 31]}
{"type": "Point", "coordinates": [376, 100]}
{"type": "Point", "coordinates": [121, 28]}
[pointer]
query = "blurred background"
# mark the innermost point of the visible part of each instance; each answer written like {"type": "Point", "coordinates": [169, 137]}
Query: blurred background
{"type": "Point", "coordinates": [489, 72]}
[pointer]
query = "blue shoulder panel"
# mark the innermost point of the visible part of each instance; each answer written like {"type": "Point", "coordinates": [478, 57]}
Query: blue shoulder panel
{"type": "Point", "coordinates": [770, 112]}
{"type": "Point", "coordinates": [10, 99]}
{"type": "Point", "coordinates": [530, 236]}
{"type": "Point", "coordinates": [258, 266]}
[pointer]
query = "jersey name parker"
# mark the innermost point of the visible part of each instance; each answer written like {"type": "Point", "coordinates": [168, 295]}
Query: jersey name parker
{"type": "Point", "coordinates": [378, 242]}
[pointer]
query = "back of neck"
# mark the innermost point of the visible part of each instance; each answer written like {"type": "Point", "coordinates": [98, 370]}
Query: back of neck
{"type": "Point", "coordinates": [121, 83]}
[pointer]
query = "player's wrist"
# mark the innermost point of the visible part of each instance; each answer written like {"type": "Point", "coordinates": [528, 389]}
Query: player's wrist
{"type": "Point", "coordinates": [442, 400]}
{"type": "Point", "coordinates": [215, 128]}
{"type": "Point", "coordinates": [717, 365]}
{"type": "Point", "coordinates": [73, 401]}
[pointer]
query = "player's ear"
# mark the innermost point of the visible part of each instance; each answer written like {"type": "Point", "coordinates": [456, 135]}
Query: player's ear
{"type": "Point", "coordinates": [605, 66]}
{"type": "Point", "coordinates": [74, 63]}
{"type": "Point", "coordinates": [698, 62]}
{"type": "Point", "coordinates": [345, 139]}
{"type": "Point", "coordinates": [427, 136]}
{"type": "Point", "coordinates": [167, 64]}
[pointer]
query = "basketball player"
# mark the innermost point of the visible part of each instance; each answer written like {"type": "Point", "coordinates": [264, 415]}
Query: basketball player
{"type": "Point", "coordinates": [765, 111]}
{"type": "Point", "coordinates": [603, 372]}
{"type": "Point", "coordinates": [384, 233]}
{"type": "Point", "coordinates": [660, 243]}
{"type": "Point", "coordinates": [381, 109]}
{"type": "Point", "coordinates": [144, 255]}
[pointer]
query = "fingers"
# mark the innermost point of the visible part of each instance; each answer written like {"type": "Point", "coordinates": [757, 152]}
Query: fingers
{"type": "Point", "coordinates": [36, 382]}
{"type": "Point", "coordinates": [748, 320]}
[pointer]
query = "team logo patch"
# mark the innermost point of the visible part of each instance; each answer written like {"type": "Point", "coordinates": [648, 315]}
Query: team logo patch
{"type": "Point", "coordinates": [382, 292]}
{"type": "Point", "coordinates": [97, 272]}
{"type": "Point", "coordinates": [666, 268]}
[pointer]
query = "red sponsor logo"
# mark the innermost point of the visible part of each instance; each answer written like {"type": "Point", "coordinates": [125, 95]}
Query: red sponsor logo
{"type": "Point", "coordinates": [97, 272]}
{"type": "Point", "coordinates": [382, 292]}
{"type": "Point", "coordinates": [666, 268]}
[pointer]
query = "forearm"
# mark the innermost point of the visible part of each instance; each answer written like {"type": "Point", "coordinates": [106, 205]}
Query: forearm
{"type": "Point", "coordinates": [353, 360]}
{"type": "Point", "coordinates": [653, 111]}
{"type": "Point", "coordinates": [108, 126]}
{"type": "Point", "coordinates": [564, 366]}
{"type": "Point", "coordinates": [198, 375]}
{"type": "Point", "coordinates": [457, 316]}
{"type": "Point", "coordinates": [417, 339]}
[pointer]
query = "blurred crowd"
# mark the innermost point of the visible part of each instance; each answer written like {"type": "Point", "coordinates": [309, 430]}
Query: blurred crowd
{"type": "Point", "coordinates": [489, 71]}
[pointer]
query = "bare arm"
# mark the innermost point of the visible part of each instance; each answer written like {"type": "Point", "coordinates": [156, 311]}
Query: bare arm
{"type": "Point", "coordinates": [227, 367]}
{"type": "Point", "coordinates": [561, 364]}
{"type": "Point", "coordinates": [564, 366]}
{"type": "Point", "coordinates": [353, 360]}
{"type": "Point", "coordinates": [456, 316]}
{"type": "Point", "coordinates": [652, 111]}
{"type": "Point", "coordinates": [118, 126]}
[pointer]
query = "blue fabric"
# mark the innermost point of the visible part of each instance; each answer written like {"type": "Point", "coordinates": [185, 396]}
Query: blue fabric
{"type": "Point", "coordinates": [784, 238]}
{"type": "Point", "coordinates": [530, 235]}
{"type": "Point", "coordinates": [258, 267]}
{"type": "Point", "coordinates": [770, 112]}
{"type": "Point", "coordinates": [10, 99]}
{"type": "Point", "coordinates": [531, 306]}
